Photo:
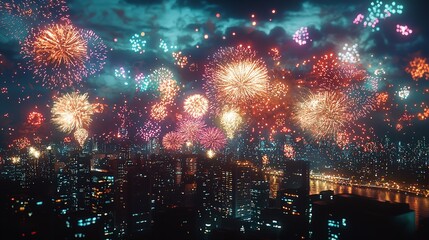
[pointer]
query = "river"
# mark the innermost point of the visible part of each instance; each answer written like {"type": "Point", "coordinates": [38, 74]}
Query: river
{"type": "Point", "coordinates": [418, 203]}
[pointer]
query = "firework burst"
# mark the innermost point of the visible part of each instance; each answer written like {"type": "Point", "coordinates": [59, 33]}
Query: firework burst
{"type": "Point", "coordinates": [35, 119]}
{"type": "Point", "coordinates": [172, 141]}
{"type": "Point", "coordinates": [323, 114]}
{"type": "Point", "coordinates": [57, 53]}
{"type": "Point", "coordinates": [191, 129]}
{"type": "Point", "coordinates": [230, 121]}
{"type": "Point", "coordinates": [81, 135]}
{"type": "Point", "coordinates": [236, 77]}
{"type": "Point", "coordinates": [71, 112]}
{"type": "Point", "coordinates": [149, 130]}
{"type": "Point", "coordinates": [213, 138]}
{"type": "Point", "coordinates": [196, 105]}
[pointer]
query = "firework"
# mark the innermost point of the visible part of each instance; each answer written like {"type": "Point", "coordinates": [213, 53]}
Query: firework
{"type": "Point", "coordinates": [288, 151]}
{"type": "Point", "coordinates": [58, 54]}
{"type": "Point", "coordinates": [158, 111]}
{"type": "Point", "coordinates": [235, 76]}
{"type": "Point", "coordinates": [196, 105]}
{"type": "Point", "coordinates": [191, 129]}
{"type": "Point", "coordinates": [331, 74]}
{"type": "Point", "coordinates": [161, 74]}
{"type": "Point", "coordinates": [97, 52]}
{"type": "Point", "coordinates": [21, 143]}
{"type": "Point", "coordinates": [138, 44]}
{"type": "Point", "coordinates": [172, 141]}
{"type": "Point", "coordinates": [230, 121]}
{"type": "Point", "coordinates": [362, 101]}
{"type": "Point", "coordinates": [35, 119]}
{"type": "Point", "coordinates": [349, 54]}
{"type": "Point", "coordinates": [275, 54]}
{"type": "Point", "coordinates": [168, 90]}
{"type": "Point", "coordinates": [81, 135]}
{"type": "Point", "coordinates": [71, 112]}
{"type": "Point", "coordinates": [376, 12]}
{"type": "Point", "coordinates": [179, 59]}
{"type": "Point", "coordinates": [403, 29]}
{"type": "Point", "coordinates": [323, 114]}
{"type": "Point", "coordinates": [403, 92]}
{"type": "Point", "coordinates": [123, 75]}
{"type": "Point", "coordinates": [149, 130]}
{"type": "Point", "coordinates": [165, 47]}
{"type": "Point", "coordinates": [213, 138]}
{"type": "Point", "coordinates": [18, 16]}
{"type": "Point", "coordinates": [418, 68]}
{"type": "Point", "coordinates": [301, 36]}
{"type": "Point", "coordinates": [359, 18]}
{"type": "Point", "coordinates": [210, 153]}
{"type": "Point", "coordinates": [34, 152]}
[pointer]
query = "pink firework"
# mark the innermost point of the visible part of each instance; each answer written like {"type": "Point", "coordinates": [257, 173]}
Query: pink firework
{"type": "Point", "coordinates": [403, 29]}
{"type": "Point", "coordinates": [172, 141]}
{"type": "Point", "coordinates": [149, 130]}
{"type": "Point", "coordinates": [213, 138]}
{"type": "Point", "coordinates": [191, 129]}
{"type": "Point", "coordinates": [301, 36]}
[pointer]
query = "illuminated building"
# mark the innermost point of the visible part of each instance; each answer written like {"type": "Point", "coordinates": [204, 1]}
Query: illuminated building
{"type": "Point", "coordinates": [102, 200]}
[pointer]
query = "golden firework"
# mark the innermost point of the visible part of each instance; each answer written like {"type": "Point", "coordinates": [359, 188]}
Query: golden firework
{"type": "Point", "coordinates": [72, 111]}
{"type": "Point", "coordinates": [196, 105]}
{"type": "Point", "coordinates": [323, 114]}
{"type": "Point", "coordinates": [230, 121]}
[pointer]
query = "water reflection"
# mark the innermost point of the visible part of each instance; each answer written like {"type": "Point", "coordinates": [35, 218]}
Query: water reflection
{"type": "Point", "coordinates": [419, 204]}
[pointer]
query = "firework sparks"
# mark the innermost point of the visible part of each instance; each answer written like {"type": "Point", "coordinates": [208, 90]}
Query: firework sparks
{"type": "Point", "coordinates": [323, 114]}
{"type": "Point", "coordinates": [168, 90]}
{"type": "Point", "coordinates": [149, 130]}
{"type": "Point", "coordinates": [350, 54]}
{"type": "Point", "coordinates": [81, 135]}
{"type": "Point", "coordinates": [71, 112]}
{"type": "Point", "coordinates": [196, 105]}
{"type": "Point", "coordinates": [58, 54]}
{"type": "Point", "coordinates": [230, 121]}
{"type": "Point", "coordinates": [191, 129]}
{"type": "Point", "coordinates": [404, 92]}
{"type": "Point", "coordinates": [158, 111]}
{"type": "Point", "coordinates": [235, 76]}
{"type": "Point", "coordinates": [213, 138]}
{"type": "Point", "coordinates": [172, 141]}
{"type": "Point", "coordinates": [138, 44]}
{"type": "Point", "coordinates": [418, 68]}
{"type": "Point", "coordinates": [403, 30]}
{"type": "Point", "coordinates": [288, 151]}
{"type": "Point", "coordinates": [301, 36]}
{"type": "Point", "coordinates": [35, 119]}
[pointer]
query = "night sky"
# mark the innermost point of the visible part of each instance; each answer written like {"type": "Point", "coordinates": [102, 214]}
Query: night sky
{"type": "Point", "coordinates": [197, 29]}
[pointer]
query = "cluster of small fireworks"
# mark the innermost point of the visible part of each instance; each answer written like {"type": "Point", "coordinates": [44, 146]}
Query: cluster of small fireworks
{"type": "Point", "coordinates": [301, 36]}
{"type": "Point", "coordinates": [236, 77]}
{"type": "Point", "coordinates": [196, 105]}
{"type": "Point", "coordinates": [275, 54]}
{"type": "Point", "coordinates": [138, 44]}
{"type": "Point", "coordinates": [350, 54]}
{"type": "Point", "coordinates": [35, 119]}
{"type": "Point", "coordinates": [403, 29]}
{"type": "Point", "coordinates": [418, 68]}
{"type": "Point", "coordinates": [71, 112]}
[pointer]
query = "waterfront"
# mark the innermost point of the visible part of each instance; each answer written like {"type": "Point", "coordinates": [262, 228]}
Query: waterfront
{"type": "Point", "coordinates": [419, 204]}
